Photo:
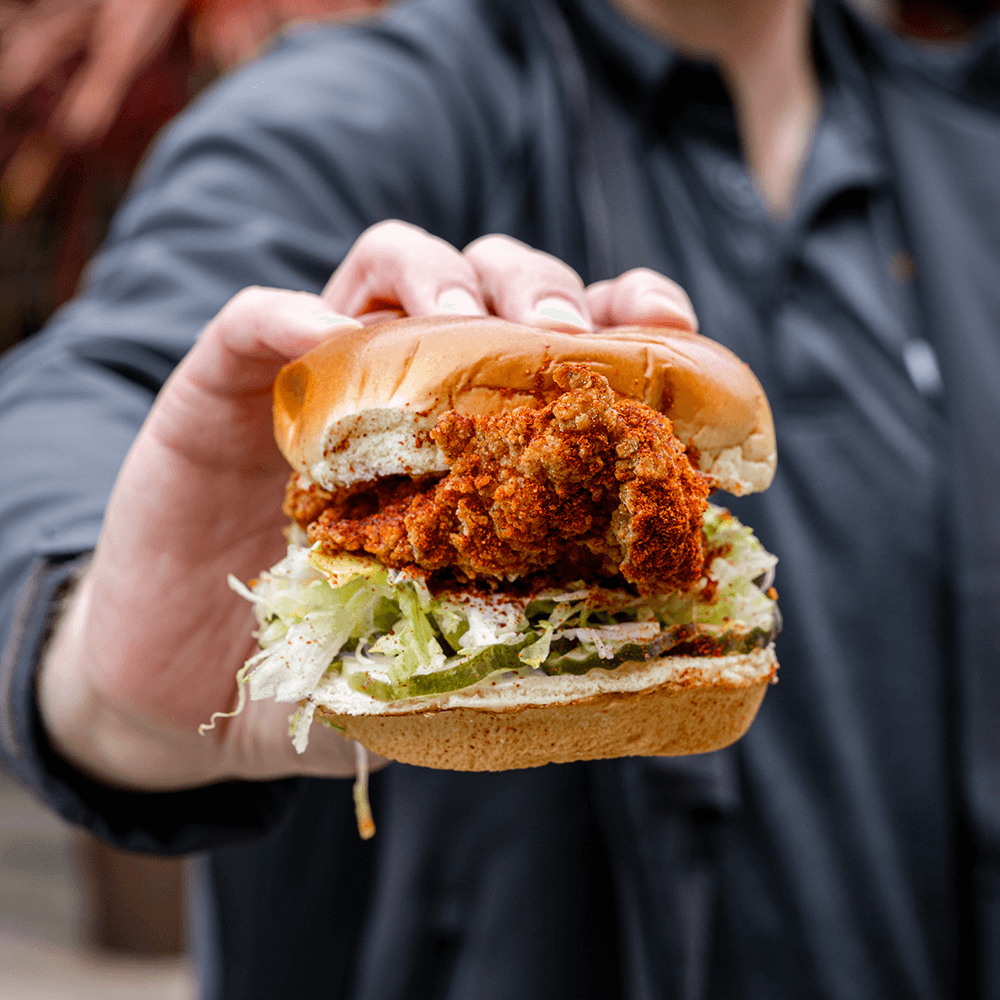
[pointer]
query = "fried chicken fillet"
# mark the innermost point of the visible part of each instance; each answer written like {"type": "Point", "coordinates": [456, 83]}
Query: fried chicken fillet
{"type": "Point", "coordinates": [591, 485]}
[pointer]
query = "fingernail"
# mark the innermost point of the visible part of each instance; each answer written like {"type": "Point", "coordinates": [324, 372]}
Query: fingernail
{"type": "Point", "coordinates": [661, 308]}
{"type": "Point", "coordinates": [459, 301]}
{"type": "Point", "coordinates": [556, 309]}
{"type": "Point", "coordinates": [326, 322]}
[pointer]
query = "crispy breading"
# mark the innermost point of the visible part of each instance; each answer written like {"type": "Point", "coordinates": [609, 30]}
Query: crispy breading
{"type": "Point", "coordinates": [305, 501]}
{"type": "Point", "coordinates": [591, 484]}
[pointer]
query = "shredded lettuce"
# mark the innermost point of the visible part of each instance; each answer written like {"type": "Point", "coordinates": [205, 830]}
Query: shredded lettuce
{"type": "Point", "coordinates": [390, 638]}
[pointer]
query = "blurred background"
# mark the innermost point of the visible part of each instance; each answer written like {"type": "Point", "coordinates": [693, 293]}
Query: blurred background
{"type": "Point", "coordinates": [80, 920]}
{"type": "Point", "coordinates": [85, 85]}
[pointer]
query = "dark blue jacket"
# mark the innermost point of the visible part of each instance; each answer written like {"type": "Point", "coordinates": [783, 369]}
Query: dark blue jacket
{"type": "Point", "coordinates": [849, 846]}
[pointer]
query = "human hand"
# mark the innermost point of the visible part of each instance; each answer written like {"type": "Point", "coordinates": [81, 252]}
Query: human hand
{"type": "Point", "coordinates": [111, 41]}
{"type": "Point", "coordinates": [151, 644]}
{"type": "Point", "coordinates": [108, 42]}
{"type": "Point", "coordinates": [94, 76]}
{"type": "Point", "coordinates": [153, 640]}
{"type": "Point", "coordinates": [394, 266]}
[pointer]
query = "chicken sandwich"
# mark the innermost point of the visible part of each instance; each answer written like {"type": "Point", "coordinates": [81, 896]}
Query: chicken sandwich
{"type": "Point", "coordinates": [502, 551]}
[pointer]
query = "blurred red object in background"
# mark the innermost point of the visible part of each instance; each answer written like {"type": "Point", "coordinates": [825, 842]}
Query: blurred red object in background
{"type": "Point", "coordinates": [231, 31]}
{"type": "Point", "coordinates": [85, 85]}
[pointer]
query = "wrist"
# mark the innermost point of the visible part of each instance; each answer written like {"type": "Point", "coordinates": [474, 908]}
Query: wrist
{"type": "Point", "coordinates": [94, 732]}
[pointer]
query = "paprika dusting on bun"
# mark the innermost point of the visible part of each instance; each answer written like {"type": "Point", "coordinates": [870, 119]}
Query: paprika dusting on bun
{"type": "Point", "coordinates": [502, 552]}
{"type": "Point", "coordinates": [397, 378]}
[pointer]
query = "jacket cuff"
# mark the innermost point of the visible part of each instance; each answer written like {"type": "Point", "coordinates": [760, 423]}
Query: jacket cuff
{"type": "Point", "coordinates": [174, 822]}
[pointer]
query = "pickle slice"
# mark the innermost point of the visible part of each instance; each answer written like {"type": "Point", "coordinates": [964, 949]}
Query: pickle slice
{"type": "Point", "coordinates": [487, 661]}
{"type": "Point", "coordinates": [678, 640]}
{"type": "Point", "coordinates": [566, 657]}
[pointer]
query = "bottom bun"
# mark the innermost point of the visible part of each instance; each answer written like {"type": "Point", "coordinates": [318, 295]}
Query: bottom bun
{"type": "Point", "coordinates": [666, 707]}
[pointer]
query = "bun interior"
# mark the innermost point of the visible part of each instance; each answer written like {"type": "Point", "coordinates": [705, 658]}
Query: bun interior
{"type": "Point", "coordinates": [362, 404]}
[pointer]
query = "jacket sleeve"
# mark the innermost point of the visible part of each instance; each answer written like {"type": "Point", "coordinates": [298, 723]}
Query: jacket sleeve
{"type": "Point", "coordinates": [268, 180]}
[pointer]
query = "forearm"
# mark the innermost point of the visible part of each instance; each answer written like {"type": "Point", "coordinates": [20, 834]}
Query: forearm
{"type": "Point", "coordinates": [105, 740]}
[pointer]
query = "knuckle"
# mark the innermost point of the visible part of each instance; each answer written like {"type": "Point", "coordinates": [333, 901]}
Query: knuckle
{"type": "Point", "coordinates": [494, 243]}
{"type": "Point", "coordinates": [497, 253]}
{"type": "Point", "coordinates": [645, 277]}
{"type": "Point", "coordinates": [500, 258]}
{"type": "Point", "coordinates": [246, 300]}
{"type": "Point", "coordinates": [556, 270]}
{"type": "Point", "coordinates": [385, 235]}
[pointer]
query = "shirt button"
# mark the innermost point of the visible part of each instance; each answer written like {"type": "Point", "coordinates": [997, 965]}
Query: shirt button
{"type": "Point", "coordinates": [901, 266]}
{"type": "Point", "coordinates": [922, 367]}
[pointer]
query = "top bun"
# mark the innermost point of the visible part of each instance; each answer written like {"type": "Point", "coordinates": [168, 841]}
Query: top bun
{"type": "Point", "coordinates": [362, 404]}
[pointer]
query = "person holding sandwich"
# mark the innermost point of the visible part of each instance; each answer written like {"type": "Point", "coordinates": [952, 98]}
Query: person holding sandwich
{"type": "Point", "coordinates": [821, 191]}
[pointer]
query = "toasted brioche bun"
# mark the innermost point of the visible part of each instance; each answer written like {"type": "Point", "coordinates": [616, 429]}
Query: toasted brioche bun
{"type": "Point", "coordinates": [362, 404]}
{"type": "Point", "coordinates": [664, 707]}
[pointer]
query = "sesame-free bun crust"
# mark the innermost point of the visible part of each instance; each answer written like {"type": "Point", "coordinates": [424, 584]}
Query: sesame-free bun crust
{"type": "Point", "coordinates": [361, 405]}
{"type": "Point", "coordinates": [666, 707]}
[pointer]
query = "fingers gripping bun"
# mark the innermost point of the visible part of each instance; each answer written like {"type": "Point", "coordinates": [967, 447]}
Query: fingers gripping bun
{"type": "Point", "coordinates": [362, 404]}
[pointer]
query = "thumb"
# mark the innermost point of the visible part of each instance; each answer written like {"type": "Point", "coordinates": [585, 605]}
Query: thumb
{"type": "Point", "coordinates": [222, 388]}
{"type": "Point", "coordinates": [240, 352]}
